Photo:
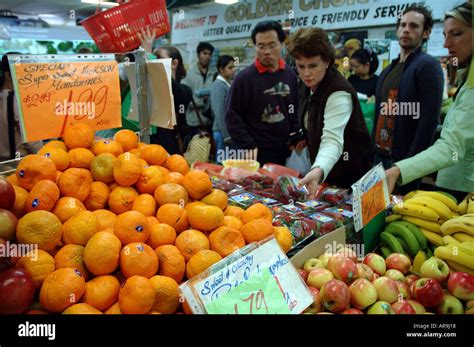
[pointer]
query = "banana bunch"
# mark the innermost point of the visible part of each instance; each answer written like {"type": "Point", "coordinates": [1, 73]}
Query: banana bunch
{"type": "Point", "coordinates": [458, 255]}
{"type": "Point", "coordinates": [403, 237]}
{"type": "Point", "coordinates": [467, 205]}
{"type": "Point", "coordinates": [461, 228]}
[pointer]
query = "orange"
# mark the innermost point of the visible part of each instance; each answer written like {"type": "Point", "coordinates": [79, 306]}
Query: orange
{"type": "Point", "coordinates": [72, 256]}
{"type": "Point", "coordinates": [40, 227]}
{"type": "Point", "coordinates": [143, 163]}
{"type": "Point", "coordinates": [197, 183]}
{"type": "Point", "coordinates": [98, 197]}
{"type": "Point", "coordinates": [21, 194]}
{"type": "Point", "coordinates": [108, 230]}
{"type": "Point", "coordinates": [172, 263]}
{"type": "Point", "coordinates": [139, 259]}
{"type": "Point", "coordinates": [107, 146]}
{"type": "Point", "coordinates": [150, 178]}
{"type": "Point", "coordinates": [55, 144]}
{"type": "Point", "coordinates": [161, 234]}
{"type": "Point", "coordinates": [257, 230]}
{"type": "Point", "coordinates": [81, 309]}
{"type": "Point", "coordinates": [101, 292]}
{"type": "Point", "coordinates": [43, 196]}
{"type": "Point", "coordinates": [80, 228]}
{"type": "Point", "coordinates": [127, 169]}
{"type": "Point", "coordinates": [106, 219]}
{"type": "Point", "coordinates": [132, 226]}
{"type": "Point", "coordinates": [226, 240]}
{"type": "Point", "coordinates": [67, 207]}
{"type": "Point", "coordinates": [75, 183]}
{"type": "Point", "coordinates": [166, 294]}
{"type": "Point", "coordinates": [146, 204]}
{"type": "Point", "coordinates": [256, 211]}
{"type": "Point", "coordinates": [140, 145]}
{"type": "Point", "coordinates": [174, 177]}
{"type": "Point", "coordinates": [189, 242]}
{"type": "Point", "coordinates": [59, 157]}
{"type": "Point", "coordinates": [164, 171]}
{"type": "Point", "coordinates": [234, 211]}
{"type": "Point", "coordinates": [58, 175]}
{"type": "Point", "coordinates": [102, 252]}
{"type": "Point", "coordinates": [79, 135]}
{"type": "Point", "coordinates": [216, 198]}
{"type": "Point", "coordinates": [134, 151]}
{"type": "Point", "coordinates": [102, 167]}
{"type": "Point", "coordinates": [153, 154]}
{"type": "Point", "coordinates": [152, 221]}
{"type": "Point", "coordinates": [284, 238]}
{"type": "Point", "coordinates": [13, 180]}
{"type": "Point", "coordinates": [127, 138]}
{"type": "Point", "coordinates": [201, 261]}
{"type": "Point", "coordinates": [114, 309]}
{"type": "Point", "coordinates": [173, 215]}
{"type": "Point", "coordinates": [121, 199]}
{"type": "Point", "coordinates": [186, 308]}
{"type": "Point", "coordinates": [190, 205]}
{"type": "Point", "coordinates": [61, 289]}
{"type": "Point", "coordinates": [233, 222]}
{"type": "Point", "coordinates": [171, 193]}
{"type": "Point", "coordinates": [34, 168]}
{"type": "Point", "coordinates": [177, 163]}
{"type": "Point", "coordinates": [137, 296]}
{"type": "Point", "coordinates": [80, 158]}
{"type": "Point", "coordinates": [205, 218]}
{"type": "Point", "coordinates": [38, 264]}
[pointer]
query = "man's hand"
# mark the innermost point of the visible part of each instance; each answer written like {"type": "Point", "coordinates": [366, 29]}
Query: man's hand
{"type": "Point", "coordinates": [392, 175]}
{"type": "Point", "coordinates": [147, 37]}
{"type": "Point", "coordinates": [312, 181]}
{"type": "Point", "coordinates": [299, 146]}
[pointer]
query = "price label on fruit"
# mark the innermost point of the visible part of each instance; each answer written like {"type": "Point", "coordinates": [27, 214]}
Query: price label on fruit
{"type": "Point", "coordinates": [53, 92]}
{"type": "Point", "coordinates": [255, 280]}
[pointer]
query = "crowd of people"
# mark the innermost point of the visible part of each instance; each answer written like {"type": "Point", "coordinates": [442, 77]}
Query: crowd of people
{"type": "Point", "coordinates": [269, 104]}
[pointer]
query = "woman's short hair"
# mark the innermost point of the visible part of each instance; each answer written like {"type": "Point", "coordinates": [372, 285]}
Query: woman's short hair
{"type": "Point", "coordinates": [311, 42]}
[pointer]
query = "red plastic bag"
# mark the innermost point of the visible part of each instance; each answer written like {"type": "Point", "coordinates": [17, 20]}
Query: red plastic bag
{"type": "Point", "coordinates": [280, 170]}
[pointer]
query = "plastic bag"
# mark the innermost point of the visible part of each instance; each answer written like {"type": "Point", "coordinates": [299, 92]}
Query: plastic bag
{"type": "Point", "coordinates": [299, 161]}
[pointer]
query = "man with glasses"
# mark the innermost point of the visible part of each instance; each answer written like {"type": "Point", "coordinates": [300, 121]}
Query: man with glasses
{"type": "Point", "coordinates": [261, 108]}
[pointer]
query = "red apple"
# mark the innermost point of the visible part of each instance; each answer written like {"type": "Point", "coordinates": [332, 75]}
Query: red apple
{"type": "Point", "coordinates": [387, 289]}
{"type": "Point", "coordinates": [398, 262]}
{"type": "Point", "coordinates": [343, 268]}
{"type": "Point", "coordinates": [352, 311]}
{"type": "Point", "coordinates": [315, 307]}
{"type": "Point", "coordinates": [363, 293]}
{"type": "Point", "coordinates": [403, 307]}
{"type": "Point", "coordinates": [428, 292]}
{"type": "Point", "coordinates": [410, 279]}
{"type": "Point", "coordinates": [7, 194]}
{"type": "Point", "coordinates": [335, 296]}
{"type": "Point", "coordinates": [419, 308]}
{"type": "Point", "coordinates": [435, 268]}
{"type": "Point", "coordinates": [318, 277]}
{"type": "Point", "coordinates": [461, 285]}
{"type": "Point", "coordinates": [395, 275]}
{"type": "Point", "coordinates": [381, 307]}
{"type": "Point", "coordinates": [364, 271]}
{"type": "Point", "coordinates": [348, 252]}
{"type": "Point", "coordinates": [16, 291]}
{"type": "Point", "coordinates": [376, 263]}
{"type": "Point", "coordinates": [403, 289]}
{"type": "Point", "coordinates": [8, 222]}
{"type": "Point", "coordinates": [303, 274]}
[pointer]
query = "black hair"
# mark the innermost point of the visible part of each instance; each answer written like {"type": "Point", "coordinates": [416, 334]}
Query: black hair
{"type": "Point", "coordinates": [223, 61]}
{"type": "Point", "coordinates": [174, 53]}
{"type": "Point", "coordinates": [202, 46]}
{"type": "Point", "coordinates": [268, 25]}
{"type": "Point", "coordinates": [422, 9]}
{"type": "Point", "coordinates": [5, 67]}
{"type": "Point", "coordinates": [364, 56]}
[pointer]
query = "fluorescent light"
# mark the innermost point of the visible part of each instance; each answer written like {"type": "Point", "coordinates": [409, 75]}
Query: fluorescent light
{"type": "Point", "coordinates": [101, 3]}
{"type": "Point", "coordinates": [226, 2]}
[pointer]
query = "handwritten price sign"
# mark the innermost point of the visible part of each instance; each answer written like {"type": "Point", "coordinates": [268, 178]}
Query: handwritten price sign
{"type": "Point", "coordinates": [55, 94]}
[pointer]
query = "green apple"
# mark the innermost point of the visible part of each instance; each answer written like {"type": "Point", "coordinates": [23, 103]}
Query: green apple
{"type": "Point", "coordinates": [381, 307]}
{"type": "Point", "coordinates": [312, 263]}
{"type": "Point", "coordinates": [435, 268]}
{"type": "Point", "coordinates": [387, 289]}
{"type": "Point", "coordinates": [450, 305]}
{"type": "Point", "coordinates": [395, 275]}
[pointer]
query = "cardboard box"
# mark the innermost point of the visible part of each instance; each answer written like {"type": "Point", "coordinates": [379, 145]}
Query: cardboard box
{"type": "Point", "coordinates": [317, 247]}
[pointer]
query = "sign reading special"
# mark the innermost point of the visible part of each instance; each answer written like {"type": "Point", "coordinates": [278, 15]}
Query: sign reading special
{"type": "Point", "coordinates": [54, 92]}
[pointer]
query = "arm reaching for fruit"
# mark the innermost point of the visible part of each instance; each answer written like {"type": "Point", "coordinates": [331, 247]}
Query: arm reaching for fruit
{"type": "Point", "coordinates": [312, 181]}
{"type": "Point", "coordinates": [392, 175]}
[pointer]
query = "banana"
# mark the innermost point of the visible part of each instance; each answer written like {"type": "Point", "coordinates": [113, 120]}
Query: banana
{"type": "Point", "coordinates": [449, 239]}
{"type": "Point", "coordinates": [463, 237]}
{"type": "Point", "coordinates": [465, 225]}
{"type": "Point", "coordinates": [409, 209]}
{"type": "Point", "coordinates": [458, 267]}
{"type": "Point", "coordinates": [422, 241]}
{"type": "Point", "coordinates": [469, 245]}
{"type": "Point", "coordinates": [429, 253]}
{"type": "Point", "coordinates": [448, 201]}
{"type": "Point", "coordinates": [404, 245]}
{"type": "Point", "coordinates": [392, 242]}
{"type": "Point", "coordinates": [385, 251]}
{"type": "Point", "coordinates": [463, 205]}
{"type": "Point", "coordinates": [412, 194]}
{"type": "Point", "coordinates": [470, 204]}
{"type": "Point", "coordinates": [456, 255]}
{"type": "Point", "coordinates": [433, 238]}
{"type": "Point", "coordinates": [436, 205]}
{"type": "Point", "coordinates": [403, 232]}
{"type": "Point", "coordinates": [467, 215]}
{"type": "Point", "coordinates": [392, 218]}
{"type": "Point", "coordinates": [461, 248]}
{"type": "Point", "coordinates": [423, 224]}
{"type": "Point", "coordinates": [420, 258]}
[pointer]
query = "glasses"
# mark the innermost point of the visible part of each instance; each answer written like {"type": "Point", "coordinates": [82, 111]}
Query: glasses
{"type": "Point", "coordinates": [262, 47]}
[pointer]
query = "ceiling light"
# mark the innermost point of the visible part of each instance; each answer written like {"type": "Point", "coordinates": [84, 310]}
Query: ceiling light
{"type": "Point", "coordinates": [226, 2]}
{"type": "Point", "coordinates": [100, 3]}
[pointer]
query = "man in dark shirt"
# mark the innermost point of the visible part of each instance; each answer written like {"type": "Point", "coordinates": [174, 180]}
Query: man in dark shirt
{"type": "Point", "coordinates": [261, 108]}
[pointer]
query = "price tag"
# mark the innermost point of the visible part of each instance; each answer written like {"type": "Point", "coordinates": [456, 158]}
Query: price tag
{"type": "Point", "coordinates": [59, 92]}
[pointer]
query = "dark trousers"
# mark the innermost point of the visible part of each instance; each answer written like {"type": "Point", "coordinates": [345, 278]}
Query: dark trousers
{"type": "Point", "coordinates": [387, 163]}
{"type": "Point", "coordinates": [275, 156]}
{"type": "Point", "coordinates": [168, 138]}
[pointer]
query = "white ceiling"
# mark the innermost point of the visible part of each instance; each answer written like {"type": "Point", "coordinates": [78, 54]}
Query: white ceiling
{"type": "Point", "coordinates": [60, 8]}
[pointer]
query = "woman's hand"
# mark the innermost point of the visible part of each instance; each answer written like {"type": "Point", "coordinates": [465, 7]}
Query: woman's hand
{"type": "Point", "coordinates": [312, 181]}
{"type": "Point", "coordinates": [392, 175]}
{"type": "Point", "coordinates": [299, 146]}
{"type": "Point", "coordinates": [147, 36]}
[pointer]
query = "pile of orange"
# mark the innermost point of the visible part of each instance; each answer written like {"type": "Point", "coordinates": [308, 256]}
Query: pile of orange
{"type": "Point", "coordinates": [121, 224]}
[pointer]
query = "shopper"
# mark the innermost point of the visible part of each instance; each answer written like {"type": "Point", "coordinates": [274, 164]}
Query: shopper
{"type": "Point", "coordinates": [219, 91]}
{"type": "Point", "coordinates": [11, 145]}
{"type": "Point", "coordinates": [364, 63]}
{"type": "Point", "coordinates": [261, 110]}
{"type": "Point", "coordinates": [409, 94]}
{"type": "Point", "coordinates": [336, 133]}
{"type": "Point", "coordinates": [199, 79]}
{"type": "Point", "coordinates": [453, 154]}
